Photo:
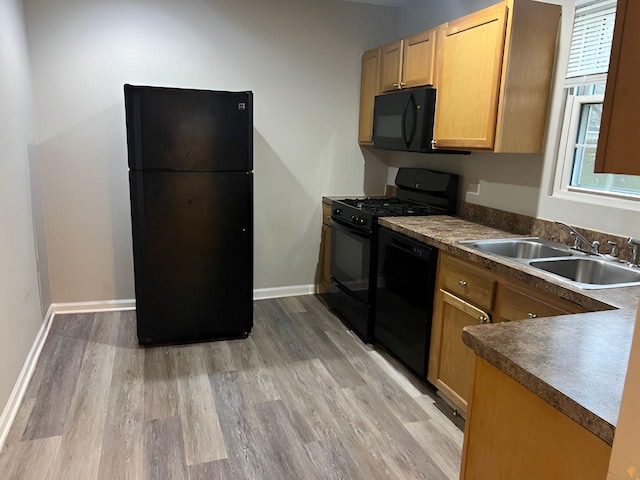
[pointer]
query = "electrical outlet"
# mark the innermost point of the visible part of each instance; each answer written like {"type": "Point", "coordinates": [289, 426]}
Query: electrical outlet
{"type": "Point", "coordinates": [473, 189]}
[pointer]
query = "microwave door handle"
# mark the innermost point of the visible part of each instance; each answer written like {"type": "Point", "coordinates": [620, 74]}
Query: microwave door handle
{"type": "Point", "coordinates": [411, 109]}
{"type": "Point", "coordinates": [404, 123]}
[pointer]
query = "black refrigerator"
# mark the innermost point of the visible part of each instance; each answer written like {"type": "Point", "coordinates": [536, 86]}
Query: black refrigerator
{"type": "Point", "coordinates": [191, 186]}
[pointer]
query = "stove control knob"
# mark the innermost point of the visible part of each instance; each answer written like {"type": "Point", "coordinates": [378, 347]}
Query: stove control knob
{"type": "Point", "coordinates": [354, 219]}
{"type": "Point", "coordinates": [337, 212]}
{"type": "Point", "coordinates": [362, 221]}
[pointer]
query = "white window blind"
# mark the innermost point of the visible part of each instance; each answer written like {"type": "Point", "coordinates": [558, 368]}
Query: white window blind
{"type": "Point", "coordinates": [591, 39]}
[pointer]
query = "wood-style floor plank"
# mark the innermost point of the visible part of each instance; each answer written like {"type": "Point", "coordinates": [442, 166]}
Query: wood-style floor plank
{"type": "Point", "coordinates": [301, 398]}
{"type": "Point", "coordinates": [61, 369]}
{"type": "Point", "coordinates": [164, 450]}
{"type": "Point", "coordinates": [122, 450]}
{"type": "Point", "coordinates": [332, 461]}
{"type": "Point", "coordinates": [30, 459]}
{"type": "Point", "coordinates": [160, 384]}
{"type": "Point", "coordinates": [81, 444]}
{"type": "Point", "coordinates": [201, 431]}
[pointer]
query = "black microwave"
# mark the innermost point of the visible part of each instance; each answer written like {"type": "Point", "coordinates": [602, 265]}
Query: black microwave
{"type": "Point", "coordinates": [403, 121]}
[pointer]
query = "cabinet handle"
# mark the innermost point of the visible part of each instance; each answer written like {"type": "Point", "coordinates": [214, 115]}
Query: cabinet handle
{"type": "Point", "coordinates": [402, 84]}
{"type": "Point", "coordinates": [532, 315]}
{"type": "Point", "coordinates": [484, 319]}
{"type": "Point", "coordinates": [396, 85]}
{"type": "Point", "coordinates": [462, 283]}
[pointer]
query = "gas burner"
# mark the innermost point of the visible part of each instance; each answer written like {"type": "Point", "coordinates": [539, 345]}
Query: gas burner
{"type": "Point", "coordinates": [390, 207]}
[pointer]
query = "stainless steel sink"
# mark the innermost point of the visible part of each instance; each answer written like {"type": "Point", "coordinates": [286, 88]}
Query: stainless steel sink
{"type": "Point", "coordinates": [570, 266]}
{"type": "Point", "coordinates": [590, 271]}
{"type": "Point", "coordinates": [521, 248]}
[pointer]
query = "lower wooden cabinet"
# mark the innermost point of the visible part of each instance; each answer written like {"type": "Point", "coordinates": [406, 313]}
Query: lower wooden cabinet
{"type": "Point", "coordinates": [511, 433]}
{"type": "Point", "coordinates": [468, 294]}
{"type": "Point", "coordinates": [324, 262]}
{"type": "Point", "coordinates": [517, 303]}
{"type": "Point", "coordinates": [451, 362]}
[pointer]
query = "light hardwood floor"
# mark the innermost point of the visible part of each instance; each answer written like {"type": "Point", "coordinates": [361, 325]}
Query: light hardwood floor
{"type": "Point", "coordinates": [301, 398]}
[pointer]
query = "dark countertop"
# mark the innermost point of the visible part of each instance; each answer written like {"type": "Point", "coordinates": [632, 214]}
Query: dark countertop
{"type": "Point", "coordinates": [577, 363]}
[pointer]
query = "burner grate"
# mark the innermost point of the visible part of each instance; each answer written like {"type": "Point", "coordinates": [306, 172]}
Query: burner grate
{"type": "Point", "coordinates": [390, 207]}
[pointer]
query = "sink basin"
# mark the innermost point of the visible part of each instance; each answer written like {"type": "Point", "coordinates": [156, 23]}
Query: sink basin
{"type": "Point", "coordinates": [520, 248]}
{"type": "Point", "coordinates": [590, 271]}
{"type": "Point", "coordinates": [572, 267]}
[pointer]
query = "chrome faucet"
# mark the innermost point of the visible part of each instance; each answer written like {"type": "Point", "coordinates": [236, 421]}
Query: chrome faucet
{"type": "Point", "coordinates": [635, 252]}
{"type": "Point", "coordinates": [592, 247]}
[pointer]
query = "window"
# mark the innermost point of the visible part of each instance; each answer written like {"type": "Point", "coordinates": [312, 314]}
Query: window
{"type": "Point", "coordinates": [585, 82]}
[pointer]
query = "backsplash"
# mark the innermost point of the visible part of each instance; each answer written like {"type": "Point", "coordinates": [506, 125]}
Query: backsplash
{"type": "Point", "coordinates": [537, 227]}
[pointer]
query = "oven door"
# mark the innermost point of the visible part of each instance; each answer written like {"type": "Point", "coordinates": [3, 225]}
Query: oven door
{"type": "Point", "coordinates": [351, 258]}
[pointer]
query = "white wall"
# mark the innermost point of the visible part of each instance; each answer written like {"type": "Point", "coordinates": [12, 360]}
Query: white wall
{"type": "Point", "coordinates": [515, 183]}
{"type": "Point", "coordinates": [20, 315]}
{"type": "Point", "coordinates": [301, 58]}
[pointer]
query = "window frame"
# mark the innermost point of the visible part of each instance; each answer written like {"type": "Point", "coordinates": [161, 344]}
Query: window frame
{"type": "Point", "coordinates": [569, 123]}
{"type": "Point", "coordinates": [564, 167]}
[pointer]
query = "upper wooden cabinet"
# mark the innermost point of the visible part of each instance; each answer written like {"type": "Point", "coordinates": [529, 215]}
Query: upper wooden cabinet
{"type": "Point", "coordinates": [492, 71]}
{"type": "Point", "coordinates": [617, 151]}
{"type": "Point", "coordinates": [369, 88]}
{"type": "Point", "coordinates": [409, 62]}
{"type": "Point", "coordinates": [391, 66]}
{"type": "Point", "coordinates": [495, 78]}
{"type": "Point", "coordinates": [419, 59]}
{"type": "Point", "coordinates": [472, 54]}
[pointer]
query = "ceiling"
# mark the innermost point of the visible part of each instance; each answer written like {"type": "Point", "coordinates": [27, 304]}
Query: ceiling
{"type": "Point", "coordinates": [388, 3]}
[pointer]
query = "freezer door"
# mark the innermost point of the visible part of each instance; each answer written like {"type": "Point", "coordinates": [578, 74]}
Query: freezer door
{"type": "Point", "coordinates": [193, 255]}
{"type": "Point", "coordinates": [189, 130]}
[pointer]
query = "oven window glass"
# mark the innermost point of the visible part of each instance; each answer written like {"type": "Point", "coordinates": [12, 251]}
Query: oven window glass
{"type": "Point", "coordinates": [350, 261]}
{"type": "Point", "coordinates": [389, 126]}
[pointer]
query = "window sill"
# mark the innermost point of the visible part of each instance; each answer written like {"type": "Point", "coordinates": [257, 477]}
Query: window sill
{"type": "Point", "coordinates": [605, 199]}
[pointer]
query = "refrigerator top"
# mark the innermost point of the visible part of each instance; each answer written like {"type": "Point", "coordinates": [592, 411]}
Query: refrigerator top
{"type": "Point", "coordinates": [176, 129]}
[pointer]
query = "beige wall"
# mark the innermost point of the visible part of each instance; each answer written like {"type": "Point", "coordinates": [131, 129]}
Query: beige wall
{"type": "Point", "coordinates": [301, 59]}
{"type": "Point", "coordinates": [20, 315]}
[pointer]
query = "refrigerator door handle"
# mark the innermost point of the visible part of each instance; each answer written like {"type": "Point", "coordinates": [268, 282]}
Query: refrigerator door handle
{"type": "Point", "coordinates": [136, 119]}
{"type": "Point", "coordinates": [141, 213]}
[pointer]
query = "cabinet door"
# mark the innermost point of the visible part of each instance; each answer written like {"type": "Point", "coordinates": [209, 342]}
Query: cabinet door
{"type": "Point", "coordinates": [419, 57]}
{"type": "Point", "coordinates": [326, 255]}
{"type": "Point", "coordinates": [451, 362]}
{"type": "Point", "coordinates": [469, 86]}
{"type": "Point", "coordinates": [513, 303]}
{"type": "Point", "coordinates": [511, 433]}
{"type": "Point", "coordinates": [617, 148]}
{"type": "Point", "coordinates": [391, 70]}
{"type": "Point", "coordinates": [369, 88]}
{"type": "Point", "coordinates": [466, 281]}
{"type": "Point", "coordinates": [325, 259]}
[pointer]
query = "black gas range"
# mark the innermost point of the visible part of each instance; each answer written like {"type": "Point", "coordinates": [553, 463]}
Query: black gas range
{"type": "Point", "coordinates": [354, 240]}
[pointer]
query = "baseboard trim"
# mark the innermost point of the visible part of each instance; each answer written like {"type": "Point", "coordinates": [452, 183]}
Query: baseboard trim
{"type": "Point", "coordinates": [98, 306]}
{"type": "Point", "coordinates": [277, 292]}
{"type": "Point", "coordinates": [20, 388]}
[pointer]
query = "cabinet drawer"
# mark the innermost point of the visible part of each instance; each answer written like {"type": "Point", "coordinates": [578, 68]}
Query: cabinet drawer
{"type": "Point", "coordinates": [515, 304]}
{"type": "Point", "coordinates": [466, 281]}
{"type": "Point", "coordinates": [326, 214]}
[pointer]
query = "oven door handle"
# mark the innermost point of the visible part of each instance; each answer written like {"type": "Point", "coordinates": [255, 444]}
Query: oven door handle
{"type": "Point", "coordinates": [345, 227]}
